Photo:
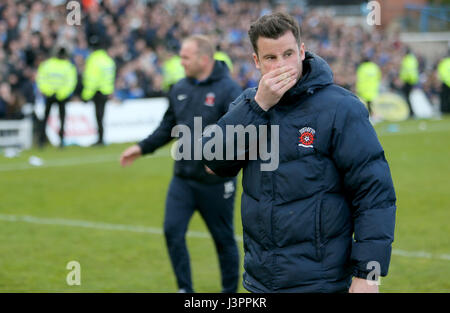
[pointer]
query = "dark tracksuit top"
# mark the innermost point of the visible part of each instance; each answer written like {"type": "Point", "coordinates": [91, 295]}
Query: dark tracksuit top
{"type": "Point", "coordinates": [299, 219]}
{"type": "Point", "coordinates": [188, 98]}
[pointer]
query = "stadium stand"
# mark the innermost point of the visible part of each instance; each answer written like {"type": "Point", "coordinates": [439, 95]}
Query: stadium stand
{"type": "Point", "coordinates": [141, 35]}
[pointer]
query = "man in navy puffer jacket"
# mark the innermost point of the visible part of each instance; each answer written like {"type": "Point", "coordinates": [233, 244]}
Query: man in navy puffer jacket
{"type": "Point", "coordinates": [332, 181]}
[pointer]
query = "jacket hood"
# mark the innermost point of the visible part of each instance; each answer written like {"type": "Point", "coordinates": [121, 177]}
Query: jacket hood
{"type": "Point", "coordinates": [316, 75]}
{"type": "Point", "coordinates": [219, 71]}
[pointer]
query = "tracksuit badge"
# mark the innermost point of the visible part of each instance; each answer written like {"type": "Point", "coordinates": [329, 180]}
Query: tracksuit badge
{"type": "Point", "coordinates": [210, 99]}
{"type": "Point", "coordinates": [306, 138]}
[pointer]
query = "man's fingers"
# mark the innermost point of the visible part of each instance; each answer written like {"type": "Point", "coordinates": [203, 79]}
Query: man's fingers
{"type": "Point", "coordinates": [279, 71]}
{"type": "Point", "coordinates": [291, 83]}
{"type": "Point", "coordinates": [123, 160]}
{"type": "Point", "coordinates": [274, 84]}
{"type": "Point", "coordinates": [287, 79]}
{"type": "Point", "coordinates": [126, 161]}
{"type": "Point", "coordinates": [284, 78]}
{"type": "Point", "coordinates": [128, 156]}
{"type": "Point", "coordinates": [286, 85]}
{"type": "Point", "coordinates": [282, 86]}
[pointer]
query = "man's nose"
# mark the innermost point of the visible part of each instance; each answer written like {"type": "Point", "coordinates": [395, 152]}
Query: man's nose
{"type": "Point", "coordinates": [280, 63]}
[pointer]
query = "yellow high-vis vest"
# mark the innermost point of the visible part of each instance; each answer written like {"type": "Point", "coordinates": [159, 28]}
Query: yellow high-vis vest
{"type": "Point", "coordinates": [173, 71]}
{"type": "Point", "coordinates": [444, 71]}
{"type": "Point", "coordinates": [222, 56]}
{"type": "Point", "coordinates": [99, 75]}
{"type": "Point", "coordinates": [368, 78]}
{"type": "Point", "coordinates": [409, 71]}
{"type": "Point", "coordinates": [56, 77]}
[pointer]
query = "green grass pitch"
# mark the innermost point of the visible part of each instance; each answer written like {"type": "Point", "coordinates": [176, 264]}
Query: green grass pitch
{"type": "Point", "coordinates": [81, 205]}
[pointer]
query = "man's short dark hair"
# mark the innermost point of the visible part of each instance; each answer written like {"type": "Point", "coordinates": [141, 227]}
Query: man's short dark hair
{"type": "Point", "coordinates": [273, 26]}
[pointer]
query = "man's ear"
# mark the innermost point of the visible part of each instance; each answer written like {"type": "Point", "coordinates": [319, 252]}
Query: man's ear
{"type": "Point", "coordinates": [256, 60]}
{"type": "Point", "coordinates": [204, 59]}
{"type": "Point", "coordinates": [302, 51]}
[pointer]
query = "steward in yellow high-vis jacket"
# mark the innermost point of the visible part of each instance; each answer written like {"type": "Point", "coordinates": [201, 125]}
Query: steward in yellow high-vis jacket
{"type": "Point", "coordinates": [98, 81]}
{"type": "Point", "coordinates": [444, 76]}
{"type": "Point", "coordinates": [368, 78]}
{"type": "Point", "coordinates": [409, 75]}
{"type": "Point", "coordinates": [56, 79]}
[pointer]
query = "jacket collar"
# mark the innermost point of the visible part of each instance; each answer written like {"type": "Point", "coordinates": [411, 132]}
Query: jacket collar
{"type": "Point", "coordinates": [316, 75]}
{"type": "Point", "coordinates": [220, 70]}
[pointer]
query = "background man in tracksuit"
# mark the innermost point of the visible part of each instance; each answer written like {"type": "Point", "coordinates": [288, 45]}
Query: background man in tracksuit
{"type": "Point", "coordinates": [332, 182]}
{"type": "Point", "coordinates": [206, 92]}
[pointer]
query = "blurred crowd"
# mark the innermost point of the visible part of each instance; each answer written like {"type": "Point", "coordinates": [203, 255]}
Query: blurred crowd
{"type": "Point", "coordinates": [141, 35]}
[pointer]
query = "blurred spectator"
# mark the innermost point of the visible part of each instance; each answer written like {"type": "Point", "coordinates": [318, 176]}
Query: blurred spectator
{"type": "Point", "coordinates": [10, 102]}
{"type": "Point", "coordinates": [142, 35]}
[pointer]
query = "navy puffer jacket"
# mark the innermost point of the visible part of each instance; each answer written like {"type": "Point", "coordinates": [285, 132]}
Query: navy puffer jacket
{"type": "Point", "coordinates": [332, 183]}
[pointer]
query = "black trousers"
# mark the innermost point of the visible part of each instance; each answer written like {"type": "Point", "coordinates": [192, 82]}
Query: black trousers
{"type": "Point", "coordinates": [49, 101]}
{"type": "Point", "coordinates": [215, 203]}
{"type": "Point", "coordinates": [445, 98]}
{"type": "Point", "coordinates": [99, 100]}
{"type": "Point", "coordinates": [407, 88]}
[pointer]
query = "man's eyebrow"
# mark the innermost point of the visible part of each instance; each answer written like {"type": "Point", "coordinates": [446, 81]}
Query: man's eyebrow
{"type": "Point", "coordinates": [268, 55]}
{"type": "Point", "coordinates": [271, 54]}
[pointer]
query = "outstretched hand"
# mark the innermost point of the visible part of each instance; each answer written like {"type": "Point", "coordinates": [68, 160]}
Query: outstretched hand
{"type": "Point", "coordinates": [130, 155]}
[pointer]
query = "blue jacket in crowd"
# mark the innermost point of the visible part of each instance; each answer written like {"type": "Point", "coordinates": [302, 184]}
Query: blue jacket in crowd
{"type": "Point", "coordinates": [332, 182]}
{"type": "Point", "coordinates": [208, 99]}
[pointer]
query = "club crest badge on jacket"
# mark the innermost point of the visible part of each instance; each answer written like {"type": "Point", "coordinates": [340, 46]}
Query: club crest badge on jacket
{"type": "Point", "coordinates": [306, 138]}
{"type": "Point", "coordinates": [210, 99]}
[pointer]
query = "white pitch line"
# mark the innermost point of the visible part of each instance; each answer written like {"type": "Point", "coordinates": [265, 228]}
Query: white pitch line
{"type": "Point", "coordinates": [94, 225]}
{"type": "Point", "coordinates": [60, 162]}
{"type": "Point", "coordinates": [71, 162]}
{"type": "Point", "coordinates": [409, 130]}
{"type": "Point", "coordinates": [159, 231]}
